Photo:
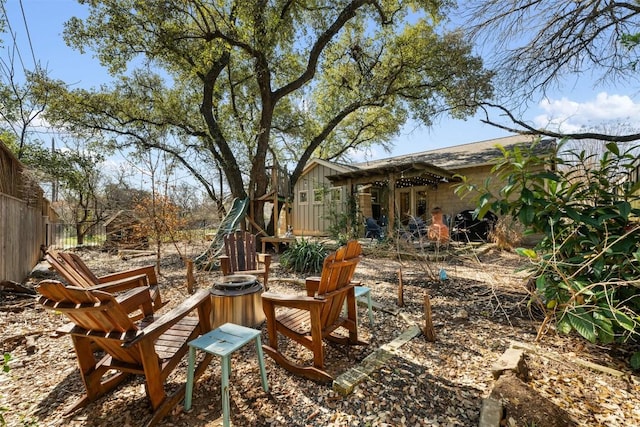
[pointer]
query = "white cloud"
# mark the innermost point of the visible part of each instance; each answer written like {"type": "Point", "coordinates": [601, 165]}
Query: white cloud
{"type": "Point", "coordinates": [569, 116]}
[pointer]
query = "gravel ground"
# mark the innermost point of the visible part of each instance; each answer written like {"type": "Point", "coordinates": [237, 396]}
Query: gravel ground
{"type": "Point", "coordinates": [477, 313]}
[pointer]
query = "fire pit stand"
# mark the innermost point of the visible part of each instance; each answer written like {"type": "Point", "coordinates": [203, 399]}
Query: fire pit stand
{"type": "Point", "coordinates": [237, 298]}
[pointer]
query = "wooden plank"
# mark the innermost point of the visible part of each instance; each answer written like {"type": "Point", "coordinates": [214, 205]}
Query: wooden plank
{"type": "Point", "coordinates": [276, 240]}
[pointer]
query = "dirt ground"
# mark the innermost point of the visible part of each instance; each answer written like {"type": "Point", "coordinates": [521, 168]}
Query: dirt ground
{"type": "Point", "coordinates": [478, 312]}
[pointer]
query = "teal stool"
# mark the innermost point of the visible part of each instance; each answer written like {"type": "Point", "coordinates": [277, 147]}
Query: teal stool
{"type": "Point", "coordinates": [363, 292]}
{"type": "Point", "coordinates": [223, 341]}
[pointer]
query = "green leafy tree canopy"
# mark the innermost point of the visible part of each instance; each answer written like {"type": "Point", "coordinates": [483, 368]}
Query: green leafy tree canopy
{"type": "Point", "coordinates": [245, 85]}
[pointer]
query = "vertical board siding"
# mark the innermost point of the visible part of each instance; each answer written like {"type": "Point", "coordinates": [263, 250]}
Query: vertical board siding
{"type": "Point", "coordinates": [311, 219]}
{"type": "Point", "coordinates": [22, 231]}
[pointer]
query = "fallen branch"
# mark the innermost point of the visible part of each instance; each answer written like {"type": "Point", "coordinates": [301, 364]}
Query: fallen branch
{"type": "Point", "coordinates": [20, 306]}
{"type": "Point", "coordinates": [564, 359]}
{"type": "Point", "coordinates": [16, 288]}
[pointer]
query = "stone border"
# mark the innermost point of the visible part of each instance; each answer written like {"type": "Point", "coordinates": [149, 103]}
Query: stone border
{"type": "Point", "coordinates": [346, 382]}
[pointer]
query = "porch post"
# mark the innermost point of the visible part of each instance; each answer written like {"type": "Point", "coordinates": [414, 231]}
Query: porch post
{"type": "Point", "coordinates": [391, 209]}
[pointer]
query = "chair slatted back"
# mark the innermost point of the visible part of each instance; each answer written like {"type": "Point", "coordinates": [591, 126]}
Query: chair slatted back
{"type": "Point", "coordinates": [65, 266]}
{"type": "Point", "coordinates": [240, 247]}
{"type": "Point", "coordinates": [97, 313]}
{"type": "Point", "coordinates": [78, 264]}
{"type": "Point", "coordinates": [337, 272]}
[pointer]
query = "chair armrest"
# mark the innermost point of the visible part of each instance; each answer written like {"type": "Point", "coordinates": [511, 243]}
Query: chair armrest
{"type": "Point", "coordinates": [264, 259]}
{"type": "Point", "coordinates": [122, 284]}
{"type": "Point", "coordinates": [225, 265]}
{"type": "Point", "coordinates": [312, 284]}
{"type": "Point", "coordinates": [137, 298]}
{"type": "Point", "coordinates": [164, 322]}
{"type": "Point", "coordinates": [291, 301]}
{"type": "Point", "coordinates": [148, 270]}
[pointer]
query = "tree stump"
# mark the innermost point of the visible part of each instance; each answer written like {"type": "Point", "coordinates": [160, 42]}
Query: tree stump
{"type": "Point", "coordinates": [428, 331]}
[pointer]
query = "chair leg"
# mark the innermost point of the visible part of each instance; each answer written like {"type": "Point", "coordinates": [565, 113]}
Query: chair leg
{"type": "Point", "coordinates": [369, 308]}
{"type": "Point", "coordinates": [189, 391]}
{"type": "Point", "coordinates": [263, 371]}
{"type": "Point", "coordinates": [226, 368]}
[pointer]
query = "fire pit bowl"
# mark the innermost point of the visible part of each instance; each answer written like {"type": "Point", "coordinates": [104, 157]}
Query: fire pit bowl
{"type": "Point", "coordinates": [237, 298]}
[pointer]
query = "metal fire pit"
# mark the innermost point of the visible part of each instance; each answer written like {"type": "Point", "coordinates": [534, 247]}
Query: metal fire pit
{"type": "Point", "coordinates": [237, 299]}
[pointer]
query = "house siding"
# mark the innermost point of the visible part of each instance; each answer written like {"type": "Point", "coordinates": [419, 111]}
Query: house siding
{"type": "Point", "coordinates": [312, 217]}
{"type": "Point", "coordinates": [474, 161]}
{"type": "Point", "coordinates": [450, 203]}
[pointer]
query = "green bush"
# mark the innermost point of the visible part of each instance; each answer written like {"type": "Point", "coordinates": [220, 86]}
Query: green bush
{"type": "Point", "coordinates": [587, 265]}
{"type": "Point", "coordinates": [304, 256]}
{"type": "Point", "coordinates": [343, 225]}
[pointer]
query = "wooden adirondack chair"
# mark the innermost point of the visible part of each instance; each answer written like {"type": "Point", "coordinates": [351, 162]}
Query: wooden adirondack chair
{"type": "Point", "coordinates": [152, 348]}
{"type": "Point", "coordinates": [309, 319]}
{"type": "Point", "coordinates": [242, 257]}
{"type": "Point", "coordinates": [71, 267]}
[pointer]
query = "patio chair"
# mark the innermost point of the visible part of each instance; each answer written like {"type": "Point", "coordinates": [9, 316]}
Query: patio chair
{"type": "Point", "coordinates": [153, 347]}
{"type": "Point", "coordinates": [242, 257]}
{"type": "Point", "coordinates": [372, 229]}
{"type": "Point", "coordinates": [71, 267]}
{"type": "Point", "coordinates": [309, 319]}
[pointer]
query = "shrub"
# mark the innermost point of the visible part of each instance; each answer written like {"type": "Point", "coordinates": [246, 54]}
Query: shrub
{"type": "Point", "coordinates": [304, 256]}
{"type": "Point", "coordinates": [587, 265]}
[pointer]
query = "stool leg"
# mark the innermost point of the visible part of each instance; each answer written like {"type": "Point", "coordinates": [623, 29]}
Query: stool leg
{"type": "Point", "coordinates": [263, 372]}
{"type": "Point", "coordinates": [189, 389]}
{"type": "Point", "coordinates": [226, 364]}
{"type": "Point", "coordinates": [369, 304]}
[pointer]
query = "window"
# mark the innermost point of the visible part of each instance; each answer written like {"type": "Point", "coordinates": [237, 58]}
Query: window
{"type": "Point", "coordinates": [318, 194]}
{"type": "Point", "coordinates": [375, 196]}
{"type": "Point", "coordinates": [303, 197]}
{"type": "Point", "coordinates": [336, 194]}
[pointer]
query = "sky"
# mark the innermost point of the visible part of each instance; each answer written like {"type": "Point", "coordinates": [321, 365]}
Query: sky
{"type": "Point", "coordinates": [582, 104]}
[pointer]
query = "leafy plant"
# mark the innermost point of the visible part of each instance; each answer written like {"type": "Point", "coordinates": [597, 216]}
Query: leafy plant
{"type": "Point", "coordinates": [343, 225]}
{"type": "Point", "coordinates": [304, 256]}
{"type": "Point", "coordinates": [587, 264]}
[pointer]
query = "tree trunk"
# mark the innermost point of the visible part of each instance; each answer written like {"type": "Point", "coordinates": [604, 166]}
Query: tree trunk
{"type": "Point", "coordinates": [79, 235]}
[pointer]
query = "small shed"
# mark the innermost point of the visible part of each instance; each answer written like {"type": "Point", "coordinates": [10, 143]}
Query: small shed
{"type": "Point", "coordinates": [316, 200]}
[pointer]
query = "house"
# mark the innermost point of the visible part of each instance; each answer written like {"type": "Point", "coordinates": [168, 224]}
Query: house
{"type": "Point", "coordinates": [420, 182]}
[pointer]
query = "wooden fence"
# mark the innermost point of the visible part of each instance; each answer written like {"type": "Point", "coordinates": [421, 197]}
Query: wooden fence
{"type": "Point", "coordinates": [23, 229]}
{"type": "Point", "coordinates": [24, 218]}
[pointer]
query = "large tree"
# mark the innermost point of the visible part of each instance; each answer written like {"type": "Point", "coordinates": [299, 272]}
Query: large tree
{"type": "Point", "coordinates": [540, 45]}
{"type": "Point", "coordinates": [248, 84]}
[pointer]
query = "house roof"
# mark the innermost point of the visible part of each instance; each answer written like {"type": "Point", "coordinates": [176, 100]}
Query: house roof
{"type": "Point", "coordinates": [338, 167]}
{"type": "Point", "coordinates": [438, 165]}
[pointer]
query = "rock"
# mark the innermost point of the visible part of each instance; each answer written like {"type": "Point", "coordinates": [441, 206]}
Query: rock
{"type": "Point", "coordinates": [461, 315]}
{"type": "Point", "coordinates": [511, 360]}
